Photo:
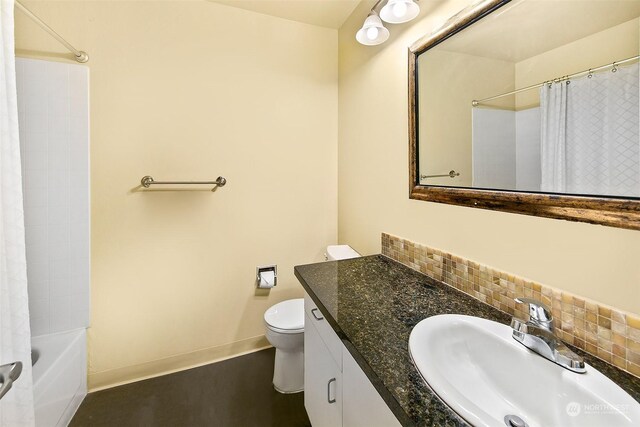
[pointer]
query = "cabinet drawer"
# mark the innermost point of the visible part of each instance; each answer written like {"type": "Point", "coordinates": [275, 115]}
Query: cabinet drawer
{"type": "Point", "coordinates": [330, 338]}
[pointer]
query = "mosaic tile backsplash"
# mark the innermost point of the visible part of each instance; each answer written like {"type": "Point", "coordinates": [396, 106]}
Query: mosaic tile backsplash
{"type": "Point", "coordinates": [607, 333]}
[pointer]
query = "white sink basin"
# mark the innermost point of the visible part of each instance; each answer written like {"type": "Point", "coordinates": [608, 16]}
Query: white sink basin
{"type": "Point", "coordinates": [483, 374]}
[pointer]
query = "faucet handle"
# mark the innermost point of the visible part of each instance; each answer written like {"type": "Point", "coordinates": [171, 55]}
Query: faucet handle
{"type": "Point", "coordinates": [538, 312]}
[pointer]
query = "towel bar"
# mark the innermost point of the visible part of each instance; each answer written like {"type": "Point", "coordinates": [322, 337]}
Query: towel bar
{"type": "Point", "coordinates": [451, 174]}
{"type": "Point", "coordinates": [148, 181]}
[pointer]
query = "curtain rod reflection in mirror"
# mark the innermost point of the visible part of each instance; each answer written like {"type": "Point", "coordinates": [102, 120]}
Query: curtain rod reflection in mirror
{"type": "Point", "coordinates": [613, 67]}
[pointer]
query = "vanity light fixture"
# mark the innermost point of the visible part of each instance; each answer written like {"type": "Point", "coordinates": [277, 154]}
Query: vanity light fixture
{"type": "Point", "coordinates": [399, 11]}
{"type": "Point", "coordinates": [373, 31]}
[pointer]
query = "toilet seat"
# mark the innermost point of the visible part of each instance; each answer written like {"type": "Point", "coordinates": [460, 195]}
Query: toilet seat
{"type": "Point", "coordinates": [285, 331]}
{"type": "Point", "coordinates": [286, 317]}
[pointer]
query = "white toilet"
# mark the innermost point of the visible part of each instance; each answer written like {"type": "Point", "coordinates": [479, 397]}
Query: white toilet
{"type": "Point", "coordinates": [285, 331]}
{"type": "Point", "coordinates": [336, 252]}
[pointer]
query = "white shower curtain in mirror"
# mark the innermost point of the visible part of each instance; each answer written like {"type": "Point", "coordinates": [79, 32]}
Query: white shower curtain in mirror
{"type": "Point", "coordinates": [590, 130]}
{"type": "Point", "coordinates": [16, 407]}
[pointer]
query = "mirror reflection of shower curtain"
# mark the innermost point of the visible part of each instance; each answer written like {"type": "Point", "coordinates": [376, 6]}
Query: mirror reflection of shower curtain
{"type": "Point", "coordinates": [590, 134]}
{"type": "Point", "coordinates": [16, 407]}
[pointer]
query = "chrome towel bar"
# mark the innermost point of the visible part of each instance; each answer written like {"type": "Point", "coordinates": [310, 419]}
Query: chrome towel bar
{"type": "Point", "coordinates": [451, 174]}
{"type": "Point", "coordinates": [148, 181]}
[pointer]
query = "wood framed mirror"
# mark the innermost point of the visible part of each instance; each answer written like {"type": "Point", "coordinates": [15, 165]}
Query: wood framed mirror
{"type": "Point", "coordinates": [530, 107]}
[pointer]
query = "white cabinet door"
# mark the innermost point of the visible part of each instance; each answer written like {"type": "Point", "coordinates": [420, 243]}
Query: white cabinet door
{"type": "Point", "coordinates": [362, 406]}
{"type": "Point", "coordinates": [322, 381]}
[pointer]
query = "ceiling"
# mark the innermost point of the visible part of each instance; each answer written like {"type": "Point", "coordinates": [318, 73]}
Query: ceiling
{"type": "Point", "coordinates": [526, 28]}
{"type": "Point", "coordinates": [325, 13]}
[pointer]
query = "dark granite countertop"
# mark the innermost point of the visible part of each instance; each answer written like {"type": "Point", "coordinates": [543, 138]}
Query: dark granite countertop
{"type": "Point", "coordinates": [373, 303]}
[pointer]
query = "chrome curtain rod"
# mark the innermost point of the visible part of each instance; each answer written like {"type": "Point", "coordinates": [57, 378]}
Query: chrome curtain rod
{"type": "Point", "coordinates": [451, 174]}
{"type": "Point", "coordinates": [80, 55]}
{"type": "Point", "coordinates": [148, 181]}
{"type": "Point", "coordinates": [613, 65]}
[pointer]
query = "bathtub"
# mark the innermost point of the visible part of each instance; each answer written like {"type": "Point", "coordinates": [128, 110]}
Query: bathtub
{"type": "Point", "coordinates": [59, 376]}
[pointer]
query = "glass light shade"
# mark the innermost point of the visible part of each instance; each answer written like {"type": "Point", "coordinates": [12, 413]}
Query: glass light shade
{"type": "Point", "coordinates": [399, 11]}
{"type": "Point", "coordinates": [372, 31]}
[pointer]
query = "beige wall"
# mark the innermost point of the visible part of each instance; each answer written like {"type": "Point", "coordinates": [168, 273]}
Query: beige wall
{"type": "Point", "coordinates": [604, 47]}
{"type": "Point", "coordinates": [444, 102]}
{"type": "Point", "coordinates": [595, 261]}
{"type": "Point", "coordinates": [193, 90]}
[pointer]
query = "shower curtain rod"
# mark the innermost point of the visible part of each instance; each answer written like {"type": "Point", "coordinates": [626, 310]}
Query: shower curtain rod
{"type": "Point", "coordinates": [81, 56]}
{"type": "Point", "coordinates": [475, 103]}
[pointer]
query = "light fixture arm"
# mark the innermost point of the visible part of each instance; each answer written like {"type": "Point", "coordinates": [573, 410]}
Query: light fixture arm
{"type": "Point", "coordinates": [378, 3]}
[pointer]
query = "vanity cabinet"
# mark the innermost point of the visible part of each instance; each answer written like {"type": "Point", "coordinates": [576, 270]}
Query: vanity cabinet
{"type": "Point", "coordinates": [362, 406]}
{"type": "Point", "coordinates": [336, 390]}
{"type": "Point", "coordinates": [322, 380]}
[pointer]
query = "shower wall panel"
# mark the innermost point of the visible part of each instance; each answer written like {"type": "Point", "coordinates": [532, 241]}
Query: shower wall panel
{"type": "Point", "coordinates": [53, 110]}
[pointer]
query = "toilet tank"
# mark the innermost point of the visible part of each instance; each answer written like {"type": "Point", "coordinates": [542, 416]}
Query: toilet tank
{"type": "Point", "coordinates": [337, 252]}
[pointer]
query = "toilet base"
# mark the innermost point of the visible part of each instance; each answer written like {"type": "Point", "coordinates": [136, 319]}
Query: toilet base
{"type": "Point", "coordinates": [288, 371]}
{"type": "Point", "coordinates": [287, 392]}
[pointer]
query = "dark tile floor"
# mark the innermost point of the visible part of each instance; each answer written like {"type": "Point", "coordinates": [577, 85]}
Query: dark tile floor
{"type": "Point", "coordinates": [235, 392]}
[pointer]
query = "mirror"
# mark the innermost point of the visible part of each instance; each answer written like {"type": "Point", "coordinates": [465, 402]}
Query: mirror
{"type": "Point", "coordinates": [525, 102]}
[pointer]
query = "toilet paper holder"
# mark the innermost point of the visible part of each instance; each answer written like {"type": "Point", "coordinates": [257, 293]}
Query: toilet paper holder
{"type": "Point", "coordinates": [267, 276]}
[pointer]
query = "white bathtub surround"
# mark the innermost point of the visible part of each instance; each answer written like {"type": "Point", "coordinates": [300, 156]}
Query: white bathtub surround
{"type": "Point", "coordinates": [494, 148]}
{"type": "Point", "coordinates": [53, 105]}
{"type": "Point", "coordinates": [528, 149]}
{"type": "Point", "coordinates": [59, 376]}
{"type": "Point", "coordinates": [16, 407]}
{"type": "Point", "coordinates": [506, 148]}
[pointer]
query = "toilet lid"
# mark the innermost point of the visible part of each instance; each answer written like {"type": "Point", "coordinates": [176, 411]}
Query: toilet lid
{"type": "Point", "coordinates": [287, 315]}
{"type": "Point", "coordinates": [338, 252]}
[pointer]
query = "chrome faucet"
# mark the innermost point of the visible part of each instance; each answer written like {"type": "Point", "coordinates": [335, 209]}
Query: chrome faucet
{"type": "Point", "coordinates": [537, 335]}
